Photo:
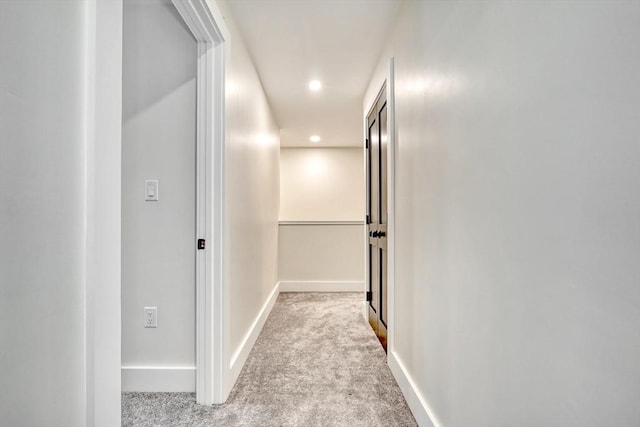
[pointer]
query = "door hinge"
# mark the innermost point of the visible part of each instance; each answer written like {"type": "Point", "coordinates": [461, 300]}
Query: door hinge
{"type": "Point", "coordinates": [201, 244]}
{"type": "Point", "coordinates": [369, 296]}
{"type": "Point", "coordinates": [368, 219]}
{"type": "Point", "coordinates": [366, 143]}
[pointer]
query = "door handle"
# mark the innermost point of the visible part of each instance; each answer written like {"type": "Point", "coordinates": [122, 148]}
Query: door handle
{"type": "Point", "coordinates": [374, 234]}
{"type": "Point", "coordinates": [381, 234]}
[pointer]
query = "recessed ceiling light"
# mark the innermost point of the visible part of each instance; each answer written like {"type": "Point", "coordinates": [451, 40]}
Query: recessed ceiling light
{"type": "Point", "coordinates": [314, 138]}
{"type": "Point", "coordinates": [315, 85]}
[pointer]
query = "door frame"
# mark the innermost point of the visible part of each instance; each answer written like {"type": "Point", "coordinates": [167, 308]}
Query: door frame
{"type": "Point", "coordinates": [372, 95]}
{"type": "Point", "coordinates": [377, 307]}
{"type": "Point", "coordinates": [208, 28]}
{"type": "Point", "coordinates": [103, 194]}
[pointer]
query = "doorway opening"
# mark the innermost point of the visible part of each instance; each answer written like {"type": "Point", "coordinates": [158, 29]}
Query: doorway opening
{"type": "Point", "coordinates": [193, 100]}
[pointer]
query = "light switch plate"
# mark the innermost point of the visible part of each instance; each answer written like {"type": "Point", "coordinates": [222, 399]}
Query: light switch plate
{"type": "Point", "coordinates": [151, 190]}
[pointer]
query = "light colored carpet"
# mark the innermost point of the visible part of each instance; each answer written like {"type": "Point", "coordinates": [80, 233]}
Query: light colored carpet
{"type": "Point", "coordinates": [316, 363]}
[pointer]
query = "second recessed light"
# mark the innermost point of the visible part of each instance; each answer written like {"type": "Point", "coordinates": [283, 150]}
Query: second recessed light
{"type": "Point", "coordinates": [314, 138]}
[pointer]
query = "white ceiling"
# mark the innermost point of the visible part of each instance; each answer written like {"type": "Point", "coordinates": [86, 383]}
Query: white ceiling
{"type": "Point", "coordinates": [335, 41]}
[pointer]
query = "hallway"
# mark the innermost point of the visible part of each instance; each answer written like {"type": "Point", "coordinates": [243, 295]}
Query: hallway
{"type": "Point", "coordinates": [172, 170]}
{"type": "Point", "coordinates": [316, 363]}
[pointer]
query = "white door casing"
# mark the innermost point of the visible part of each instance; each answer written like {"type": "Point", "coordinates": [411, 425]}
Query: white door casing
{"type": "Point", "coordinates": [207, 26]}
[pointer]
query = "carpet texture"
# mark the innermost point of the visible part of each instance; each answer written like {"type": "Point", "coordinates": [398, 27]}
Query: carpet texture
{"type": "Point", "coordinates": [316, 363]}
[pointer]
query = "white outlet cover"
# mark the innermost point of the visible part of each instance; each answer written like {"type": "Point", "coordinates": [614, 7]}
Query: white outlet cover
{"type": "Point", "coordinates": [151, 317]}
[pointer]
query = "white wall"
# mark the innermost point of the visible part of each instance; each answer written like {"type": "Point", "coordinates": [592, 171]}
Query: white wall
{"type": "Point", "coordinates": [58, 253]}
{"type": "Point", "coordinates": [518, 216]}
{"type": "Point", "coordinates": [321, 253]}
{"type": "Point", "coordinates": [321, 185]}
{"type": "Point", "coordinates": [252, 191]}
{"type": "Point", "coordinates": [42, 211]}
{"type": "Point", "coordinates": [158, 238]}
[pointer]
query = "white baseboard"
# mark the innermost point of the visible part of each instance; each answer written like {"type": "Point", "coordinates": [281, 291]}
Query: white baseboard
{"type": "Point", "coordinates": [326, 286]}
{"type": "Point", "coordinates": [159, 379]}
{"type": "Point", "coordinates": [365, 311]}
{"type": "Point", "coordinates": [417, 403]}
{"type": "Point", "coordinates": [240, 356]}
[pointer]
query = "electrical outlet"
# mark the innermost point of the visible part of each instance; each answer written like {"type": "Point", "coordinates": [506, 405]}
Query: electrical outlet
{"type": "Point", "coordinates": [151, 317]}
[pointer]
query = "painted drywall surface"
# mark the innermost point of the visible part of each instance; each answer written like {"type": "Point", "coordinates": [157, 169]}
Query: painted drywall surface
{"type": "Point", "coordinates": [252, 189]}
{"type": "Point", "coordinates": [309, 253]}
{"type": "Point", "coordinates": [518, 216]}
{"type": "Point", "coordinates": [322, 184]}
{"type": "Point", "coordinates": [158, 238]}
{"type": "Point", "coordinates": [42, 246]}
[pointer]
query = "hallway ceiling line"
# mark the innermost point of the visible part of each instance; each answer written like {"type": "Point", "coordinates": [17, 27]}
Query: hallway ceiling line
{"type": "Point", "coordinates": [336, 42]}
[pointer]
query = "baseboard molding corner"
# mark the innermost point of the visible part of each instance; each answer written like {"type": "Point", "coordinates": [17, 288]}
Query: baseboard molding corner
{"type": "Point", "coordinates": [365, 311]}
{"type": "Point", "coordinates": [158, 379]}
{"type": "Point", "coordinates": [417, 403]}
{"type": "Point", "coordinates": [240, 356]}
{"type": "Point", "coordinates": [322, 286]}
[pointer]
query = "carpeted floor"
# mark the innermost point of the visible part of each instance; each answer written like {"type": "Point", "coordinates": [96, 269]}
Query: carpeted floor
{"type": "Point", "coordinates": [316, 363]}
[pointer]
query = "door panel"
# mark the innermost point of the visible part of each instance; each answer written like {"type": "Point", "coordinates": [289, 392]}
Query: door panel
{"type": "Point", "coordinates": [374, 175]}
{"type": "Point", "coordinates": [383, 164]}
{"type": "Point", "coordinates": [377, 217]}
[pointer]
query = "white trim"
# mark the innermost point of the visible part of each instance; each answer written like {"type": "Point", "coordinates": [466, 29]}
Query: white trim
{"type": "Point", "coordinates": [103, 132]}
{"type": "Point", "coordinates": [365, 311]}
{"type": "Point", "coordinates": [240, 356]}
{"type": "Point", "coordinates": [365, 229]}
{"type": "Point", "coordinates": [174, 379]}
{"type": "Point", "coordinates": [90, 173]}
{"type": "Point", "coordinates": [322, 286]}
{"type": "Point", "coordinates": [391, 208]}
{"type": "Point", "coordinates": [207, 26]}
{"type": "Point", "coordinates": [421, 410]}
